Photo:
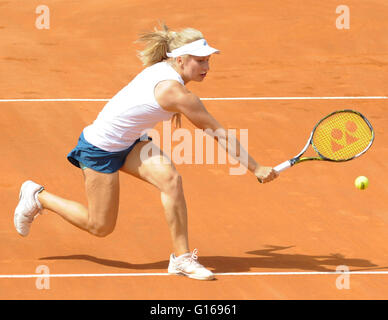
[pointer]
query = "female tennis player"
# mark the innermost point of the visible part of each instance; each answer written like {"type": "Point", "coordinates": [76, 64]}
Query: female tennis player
{"type": "Point", "coordinates": [113, 143]}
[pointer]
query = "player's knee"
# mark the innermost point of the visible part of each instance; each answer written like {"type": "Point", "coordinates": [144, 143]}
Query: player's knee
{"type": "Point", "coordinates": [101, 230]}
{"type": "Point", "coordinates": [172, 182]}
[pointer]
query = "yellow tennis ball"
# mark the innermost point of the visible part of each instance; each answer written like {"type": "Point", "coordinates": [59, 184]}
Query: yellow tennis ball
{"type": "Point", "coordinates": [361, 182]}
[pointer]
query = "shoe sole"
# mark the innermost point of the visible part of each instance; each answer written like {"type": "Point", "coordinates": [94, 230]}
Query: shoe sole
{"type": "Point", "coordinates": [17, 215]}
{"type": "Point", "coordinates": [20, 198]}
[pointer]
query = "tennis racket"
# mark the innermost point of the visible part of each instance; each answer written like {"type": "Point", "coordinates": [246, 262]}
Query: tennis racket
{"type": "Point", "coordinates": [340, 136]}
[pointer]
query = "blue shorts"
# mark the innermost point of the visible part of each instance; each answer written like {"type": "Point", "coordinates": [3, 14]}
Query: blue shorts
{"type": "Point", "coordinates": [86, 155]}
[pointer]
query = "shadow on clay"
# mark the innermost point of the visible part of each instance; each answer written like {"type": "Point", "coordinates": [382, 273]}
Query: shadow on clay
{"type": "Point", "coordinates": [270, 257]}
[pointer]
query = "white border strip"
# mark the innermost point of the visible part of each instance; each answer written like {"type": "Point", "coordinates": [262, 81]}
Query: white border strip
{"type": "Point", "coordinates": [211, 99]}
{"type": "Point", "coordinates": [51, 100]}
{"type": "Point", "coordinates": [100, 275]}
{"type": "Point", "coordinates": [300, 98]}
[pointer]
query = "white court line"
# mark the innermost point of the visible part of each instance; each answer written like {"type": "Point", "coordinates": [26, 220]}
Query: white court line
{"type": "Point", "coordinates": [299, 98]}
{"type": "Point", "coordinates": [211, 99]}
{"type": "Point", "coordinates": [51, 100]}
{"type": "Point", "coordinates": [101, 275]}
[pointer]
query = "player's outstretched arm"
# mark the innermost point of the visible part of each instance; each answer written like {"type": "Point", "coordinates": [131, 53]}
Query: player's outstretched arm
{"type": "Point", "coordinates": [174, 97]}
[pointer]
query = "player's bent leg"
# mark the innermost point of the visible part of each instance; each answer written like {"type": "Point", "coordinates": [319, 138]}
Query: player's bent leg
{"type": "Point", "coordinates": [160, 172]}
{"type": "Point", "coordinates": [103, 200]}
{"type": "Point", "coordinates": [103, 192]}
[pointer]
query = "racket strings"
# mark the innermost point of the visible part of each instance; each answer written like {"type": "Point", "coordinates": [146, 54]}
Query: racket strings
{"type": "Point", "coordinates": [342, 136]}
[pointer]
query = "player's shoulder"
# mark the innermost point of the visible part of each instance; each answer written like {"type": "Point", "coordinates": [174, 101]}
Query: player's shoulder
{"type": "Point", "coordinates": [170, 87]}
{"type": "Point", "coordinates": [170, 93]}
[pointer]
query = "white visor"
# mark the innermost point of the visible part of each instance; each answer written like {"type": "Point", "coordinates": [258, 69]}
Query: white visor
{"type": "Point", "coordinates": [198, 48]}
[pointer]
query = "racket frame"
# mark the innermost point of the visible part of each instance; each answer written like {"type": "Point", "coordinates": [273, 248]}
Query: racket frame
{"type": "Point", "coordinates": [297, 159]}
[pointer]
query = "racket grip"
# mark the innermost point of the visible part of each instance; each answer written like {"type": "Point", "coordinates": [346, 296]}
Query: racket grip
{"type": "Point", "coordinates": [283, 166]}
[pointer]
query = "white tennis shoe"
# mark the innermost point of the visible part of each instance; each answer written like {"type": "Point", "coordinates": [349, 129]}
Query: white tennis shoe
{"type": "Point", "coordinates": [28, 207]}
{"type": "Point", "coordinates": [187, 265]}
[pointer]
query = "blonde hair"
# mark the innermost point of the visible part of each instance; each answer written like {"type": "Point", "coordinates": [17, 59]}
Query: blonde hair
{"type": "Point", "coordinates": [159, 42]}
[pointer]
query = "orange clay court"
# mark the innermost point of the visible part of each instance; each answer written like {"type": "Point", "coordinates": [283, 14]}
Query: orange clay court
{"type": "Point", "coordinates": [281, 240]}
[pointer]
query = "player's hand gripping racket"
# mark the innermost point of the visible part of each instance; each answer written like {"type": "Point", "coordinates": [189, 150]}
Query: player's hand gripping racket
{"type": "Point", "coordinates": [341, 136]}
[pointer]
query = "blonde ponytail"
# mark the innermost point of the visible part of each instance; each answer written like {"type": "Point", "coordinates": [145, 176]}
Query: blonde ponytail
{"type": "Point", "coordinates": [159, 42]}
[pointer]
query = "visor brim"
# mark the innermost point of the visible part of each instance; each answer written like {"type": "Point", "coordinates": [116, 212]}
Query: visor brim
{"type": "Point", "coordinates": [204, 52]}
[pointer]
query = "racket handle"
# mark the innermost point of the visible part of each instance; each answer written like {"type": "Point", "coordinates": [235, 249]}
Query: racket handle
{"type": "Point", "coordinates": [283, 166]}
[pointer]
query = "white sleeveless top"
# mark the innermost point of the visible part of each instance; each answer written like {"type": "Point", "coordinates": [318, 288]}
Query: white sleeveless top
{"type": "Point", "coordinates": [131, 111]}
